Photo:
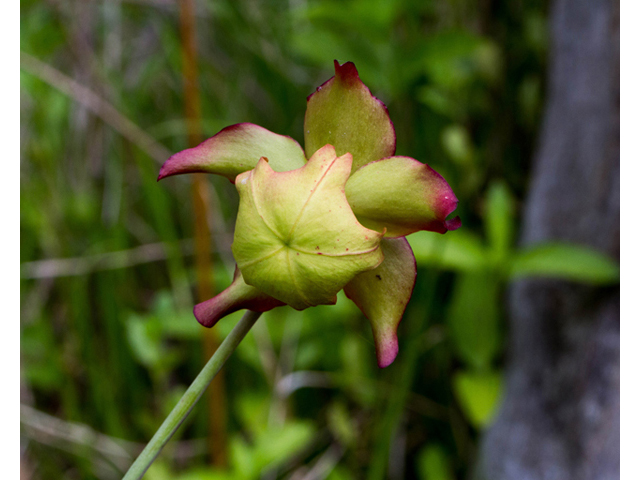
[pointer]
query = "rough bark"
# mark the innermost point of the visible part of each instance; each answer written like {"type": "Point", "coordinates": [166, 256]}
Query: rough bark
{"type": "Point", "coordinates": [560, 417]}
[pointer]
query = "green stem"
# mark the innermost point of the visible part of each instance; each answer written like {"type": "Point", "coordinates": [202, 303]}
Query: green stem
{"type": "Point", "coordinates": [191, 396]}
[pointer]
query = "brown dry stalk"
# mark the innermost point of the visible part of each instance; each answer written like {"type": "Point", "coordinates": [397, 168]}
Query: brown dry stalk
{"type": "Point", "coordinates": [202, 234]}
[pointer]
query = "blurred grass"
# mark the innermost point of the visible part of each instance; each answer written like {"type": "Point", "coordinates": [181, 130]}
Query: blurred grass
{"type": "Point", "coordinates": [108, 277]}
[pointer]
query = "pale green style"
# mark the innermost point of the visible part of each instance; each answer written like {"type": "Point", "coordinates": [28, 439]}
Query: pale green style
{"type": "Point", "coordinates": [296, 238]}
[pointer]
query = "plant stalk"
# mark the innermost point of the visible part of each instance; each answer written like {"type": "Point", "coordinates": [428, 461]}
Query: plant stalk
{"type": "Point", "coordinates": [191, 396]}
{"type": "Point", "coordinates": [200, 189]}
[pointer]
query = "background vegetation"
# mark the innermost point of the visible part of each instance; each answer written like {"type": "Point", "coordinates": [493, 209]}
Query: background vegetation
{"type": "Point", "coordinates": [108, 276]}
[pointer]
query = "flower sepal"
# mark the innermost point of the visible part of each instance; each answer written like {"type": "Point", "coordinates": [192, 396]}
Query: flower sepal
{"type": "Point", "coordinates": [342, 112]}
{"type": "Point", "coordinates": [234, 150]}
{"type": "Point", "coordinates": [382, 295]}
{"type": "Point", "coordinates": [237, 296]}
{"type": "Point", "coordinates": [402, 195]}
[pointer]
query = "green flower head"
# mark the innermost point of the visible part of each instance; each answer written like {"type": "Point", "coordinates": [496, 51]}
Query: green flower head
{"type": "Point", "coordinates": [307, 229]}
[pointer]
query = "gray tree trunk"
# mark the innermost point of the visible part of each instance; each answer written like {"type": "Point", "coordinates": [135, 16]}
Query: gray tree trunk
{"type": "Point", "coordinates": [560, 417]}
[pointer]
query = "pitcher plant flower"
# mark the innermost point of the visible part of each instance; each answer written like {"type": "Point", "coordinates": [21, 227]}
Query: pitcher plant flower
{"type": "Point", "coordinates": [327, 218]}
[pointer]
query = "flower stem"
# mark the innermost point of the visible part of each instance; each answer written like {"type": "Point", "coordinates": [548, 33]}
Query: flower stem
{"type": "Point", "coordinates": [191, 396]}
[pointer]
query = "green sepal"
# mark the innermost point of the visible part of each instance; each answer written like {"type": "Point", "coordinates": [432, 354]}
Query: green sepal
{"type": "Point", "coordinates": [342, 112]}
{"type": "Point", "coordinates": [402, 195]}
{"type": "Point", "coordinates": [234, 150]}
{"type": "Point", "coordinates": [383, 294]}
{"type": "Point", "coordinates": [296, 238]}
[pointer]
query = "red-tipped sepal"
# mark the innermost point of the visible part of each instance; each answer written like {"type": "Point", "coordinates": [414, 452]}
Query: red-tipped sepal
{"type": "Point", "coordinates": [237, 296]}
{"type": "Point", "coordinates": [343, 113]}
{"type": "Point", "coordinates": [383, 294]}
{"type": "Point", "coordinates": [234, 150]}
{"type": "Point", "coordinates": [402, 195]}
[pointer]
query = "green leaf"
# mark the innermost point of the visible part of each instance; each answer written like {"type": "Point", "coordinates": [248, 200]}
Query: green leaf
{"type": "Point", "coordinates": [473, 318]}
{"type": "Point", "coordinates": [402, 195]}
{"type": "Point", "coordinates": [565, 261]}
{"type": "Point", "coordinates": [243, 460]}
{"type": "Point", "coordinates": [159, 471]}
{"type": "Point", "coordinates": [174, 323]}
{"type": "Point", "coordinates": [341, 424]}
{"type": "Point", "coordinates": [460, 250]}
{"type": "Point", "coordinates": [355, 365]}
{"type": "Point", "coordinates": [296, 238]}
{"type": "Point", "coordinates": [252, 410]}
{"type": "Point", "coordinates": [205, 473]}
{"type": "Point", "coordinates": [343, 113]}
{"type": "Point", "coordinates": [478, 395]}
{"type": "Point", "coordinates": [499, 219]}
{"type": "Point", "coordinates": [41, 362]}
{"type": "Point", "coordinates": [277, 444]}
{"type": "Point", "coordinates": [433, 464]}
{"type": "Point", "coordinates": [458, 144]}
{"type": "Point", "coordinates": [304, 43]}
{"type": "Point", "coordinates": [145, 339]}
{"type": "Point", "coordinates": [452, 59]}
{"type": "Point", "coordinates": [439, 101]}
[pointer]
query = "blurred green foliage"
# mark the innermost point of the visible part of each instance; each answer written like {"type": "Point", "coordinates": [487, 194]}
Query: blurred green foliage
{"type": "Point", "coordinates": [112, 345]}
